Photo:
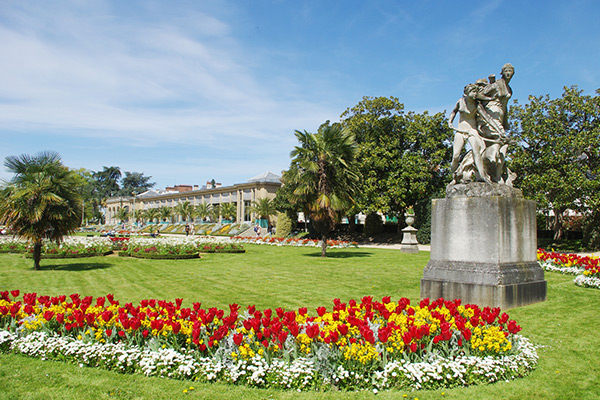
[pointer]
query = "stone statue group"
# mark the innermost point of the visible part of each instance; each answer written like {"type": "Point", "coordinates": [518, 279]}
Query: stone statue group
{"type": "Point", "coordinates": [483, 122]}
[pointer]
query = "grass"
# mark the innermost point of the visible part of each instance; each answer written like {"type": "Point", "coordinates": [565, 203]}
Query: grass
{"type": "Point", "coordinates": [567, 324]}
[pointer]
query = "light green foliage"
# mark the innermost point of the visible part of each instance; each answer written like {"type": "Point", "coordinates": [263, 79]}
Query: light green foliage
{"type": "Point", "coordinates": [165, 213]}
{"type": "Point", "coordinates": [203, 211]}
{"type": "Point", "coordinates": [284, 225]}
{"type": "Point", "coordinates": [263, 208]}
{"type": "Point", "coordinates": [228, 211]}
{"type": "Point", "coordinates": [402, 157]}
{"type": "Point", "coordinates": [185, 210]}
{"type": "Point", "coordinates": [122, 214]}
{"type": "Point", "coordinates": [557, 161]}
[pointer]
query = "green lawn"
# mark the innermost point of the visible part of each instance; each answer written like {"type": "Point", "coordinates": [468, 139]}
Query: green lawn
{"type": "Point", "coordinates": [567, 325]}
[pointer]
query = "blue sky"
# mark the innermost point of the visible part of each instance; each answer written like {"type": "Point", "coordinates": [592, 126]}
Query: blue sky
{"type": "Point", "coordinates": [188, 91]}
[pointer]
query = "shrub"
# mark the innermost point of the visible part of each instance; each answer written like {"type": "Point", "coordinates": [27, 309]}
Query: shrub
{"type": "Point", "coordinates": [373, 225]}
{"type": "Point", "coordinates": [284, 225]}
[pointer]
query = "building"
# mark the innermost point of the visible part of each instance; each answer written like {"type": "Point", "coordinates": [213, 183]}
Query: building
{"type": "Point", "coordinates": [241, 194]}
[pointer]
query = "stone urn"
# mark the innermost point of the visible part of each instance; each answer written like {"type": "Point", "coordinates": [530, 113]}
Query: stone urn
{"type": "Point", "coordinates": [409, 235]}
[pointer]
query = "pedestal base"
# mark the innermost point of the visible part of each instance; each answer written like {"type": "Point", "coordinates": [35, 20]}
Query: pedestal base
{"type": "Point", "coordinates": [486, 284]}
{"type": "Point", "coordinates": [483, 248]}
{"type": "Point", "coordinates": [409, 240]}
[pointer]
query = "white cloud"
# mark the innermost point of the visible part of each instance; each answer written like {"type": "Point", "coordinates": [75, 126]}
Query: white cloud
{"type": "Point", "coordinates": [95, 74]}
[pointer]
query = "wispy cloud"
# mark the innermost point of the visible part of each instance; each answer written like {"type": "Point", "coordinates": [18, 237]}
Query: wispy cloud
{"type": "Point", "coordinates": [95, 74]}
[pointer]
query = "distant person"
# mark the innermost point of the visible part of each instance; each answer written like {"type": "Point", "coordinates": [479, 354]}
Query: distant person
{"type": "Point", "coordinates": [271, 230]}
{"type": "Point", "coordinates": [187, 230]}
{"type": "Point", "coordinates": [257, 229]}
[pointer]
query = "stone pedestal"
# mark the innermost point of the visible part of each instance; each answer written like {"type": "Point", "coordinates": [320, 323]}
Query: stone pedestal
{"type": "Point", "coordinates": [483, 248]}
{"type": "Point", "coordinates": [409, 236]}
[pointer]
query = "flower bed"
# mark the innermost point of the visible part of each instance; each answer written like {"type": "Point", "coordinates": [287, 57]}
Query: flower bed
{"type": "Point", "coordinates": [119, 243]}
{"type": "Point", "coordinates": [220, 247]}
{"type": "Point", "coordinates": [12, 245]}
{"type": "Point", "coordinates": [175, 248]}
{"type": "Point", "coordinates": [586, 268]}
{"type": "Point", "coordinates": [277, 241]}
{"type": "Point", "coordinates": [367, 345]}
{"type": "Point", "coordinates": [74, 247]}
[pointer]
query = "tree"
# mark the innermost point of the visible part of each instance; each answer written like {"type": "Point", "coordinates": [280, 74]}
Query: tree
{"type": "Point", "coordinates": [185, 210]}
{"type": "Point", "coordinates": [215, 212]}
{"type": "Point", "coordinates": [122, 214]}
{"type": "Point", "coordinates": [203, 210]}
{"type": "Point", "coordinates": [152, 214]}
{"type": "Point", "coordinates": [165, 213]}
{"type": "Point", "coordinates": [323, 174]}
{"type": "Point", "coordinates": [264, 208]}
{"type": "Point", "coordinates": [557, 161]}
{"type": "Point", "coordinates": [135, 183]}
{"type": "Point", "coordinates": [41, 201]}
{"type": "Point", "coordinates": [107, 182]}
{"type": "Point", "coordinates": [402, 158]}
{"type": "Point", "coordinates": [228, 211]}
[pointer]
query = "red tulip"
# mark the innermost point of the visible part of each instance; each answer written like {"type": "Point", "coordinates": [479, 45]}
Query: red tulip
{"type": "Point", "coordinates": [238, 338]}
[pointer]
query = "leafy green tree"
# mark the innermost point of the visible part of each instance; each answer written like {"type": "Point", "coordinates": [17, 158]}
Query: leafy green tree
{"type": "Point", "coordinates": [107, 182]}
{"type": "Point", "coordinates": [185, 210]}
{"type": "Point", "coordinates": [263, 208]}
{"type": "Point", "coordinates": [557, 161]}
{"type": "Point", "coordinates": [135, 183]}
{"type": "Point", "coordinates": [42, 200]}
{"type": "Point", "coordinates": [402, 157]}
{"type": "Point", "coordinates": [203, 211]}
{"type": "Point", "coordinates": [229, 211]}
{"type": "Point", "coordinates": [165, 213]}
{"type": "Point", "coordinates": [323, 174]}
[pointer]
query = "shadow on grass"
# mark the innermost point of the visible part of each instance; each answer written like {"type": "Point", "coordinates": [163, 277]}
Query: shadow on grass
{"type": "Point", "coordinates": [341, 254]}
{"type": "Point", "coordinates": [74, 266]}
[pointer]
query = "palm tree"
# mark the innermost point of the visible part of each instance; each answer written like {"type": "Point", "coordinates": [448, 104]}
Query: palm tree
{"type": "Point", "coordinates": [165, 213]}
{"type": "Point", "coordinates": [138, 215]}
{"type": "Point", "coordinates": [228, 211]}
{"type": "Point", "coordinates": [185, 209]}
{"type": "Point", "coordinates": [203, 210]}
{"type": "Point", "coordinates": [324, 177]}
{"type": "Point", "coordinates": [215, 211]}
{"type": "Point", "coordinates": [41, 201]}
{"type": "Point", "coordinates": [122, 214]}
{"type": "Point", "coordinates": [151, 214]}
{"type": "Point", "coordinates": [264, 208]}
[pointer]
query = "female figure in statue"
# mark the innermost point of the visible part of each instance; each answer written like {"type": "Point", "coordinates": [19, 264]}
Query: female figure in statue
{"type": "Point", "coordinates": [492, 122]}
{"type": "Point", "coordinates": [467, 131]}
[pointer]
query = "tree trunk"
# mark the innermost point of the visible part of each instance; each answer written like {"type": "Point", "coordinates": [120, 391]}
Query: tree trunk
{"type": "Point", "coordinates": [37, 255]}
{"type": "Point", "coordinates": [324, 246]}
{"type": "Point", "coordinates": [558, 228]}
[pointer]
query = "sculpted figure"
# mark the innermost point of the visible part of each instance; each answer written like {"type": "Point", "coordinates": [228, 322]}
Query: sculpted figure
{"type": "Point", "coordinates": [483, 122]}
{"type": "Point", "coordinates": [467, 131]}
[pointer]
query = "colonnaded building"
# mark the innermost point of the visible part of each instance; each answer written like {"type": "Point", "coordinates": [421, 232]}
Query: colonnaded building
{"type": "Point", "coordinates": [242, 195]}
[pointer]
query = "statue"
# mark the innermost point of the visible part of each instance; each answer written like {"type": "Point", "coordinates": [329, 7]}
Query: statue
{"type": "Point", "coordinates": [483, 123]}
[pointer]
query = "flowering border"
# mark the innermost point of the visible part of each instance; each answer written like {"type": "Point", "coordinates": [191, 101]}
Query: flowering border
{"type": "Point", "coordinates": [301, 374]}
{"type": "Point", "coordinates": [586, 268]}
{"type": "Point", "coordinates": [296, 242]}
{"type": "Point", "coordinates": [366, 345]}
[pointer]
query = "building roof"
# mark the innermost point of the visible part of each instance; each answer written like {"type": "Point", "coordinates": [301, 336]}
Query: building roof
{"type": "Point", "coordinates": [266, 177]}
